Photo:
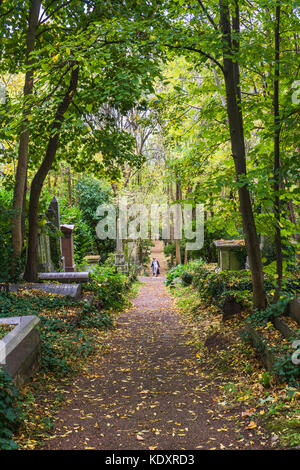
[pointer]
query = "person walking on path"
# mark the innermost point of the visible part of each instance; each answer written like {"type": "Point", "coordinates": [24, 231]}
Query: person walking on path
{"type": "Point", "coordinates": [155, 267]}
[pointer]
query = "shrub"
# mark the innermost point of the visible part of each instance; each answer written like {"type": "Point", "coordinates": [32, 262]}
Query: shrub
{"type": "Point", "coordinates": [9, 411]}
{"type": "Point", "coordinates": [109, 286]}
{"type": "Point", "coordinates": [187, 278]}
{"type": "Point", "coordinates": [174, 273]}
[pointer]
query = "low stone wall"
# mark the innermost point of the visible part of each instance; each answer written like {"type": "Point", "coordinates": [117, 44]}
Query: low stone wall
{"type": "Point", "coordinates": [20, 350]}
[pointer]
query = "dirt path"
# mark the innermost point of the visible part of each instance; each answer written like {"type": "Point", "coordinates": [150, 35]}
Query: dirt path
{"type": "Point", "coordinates": [148, 391]}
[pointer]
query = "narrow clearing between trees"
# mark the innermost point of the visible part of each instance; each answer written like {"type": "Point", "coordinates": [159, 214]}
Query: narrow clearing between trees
{"type": "Point", "coordinates": [149, 390]}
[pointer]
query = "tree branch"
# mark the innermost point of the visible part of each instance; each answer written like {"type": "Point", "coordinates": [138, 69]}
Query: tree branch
{"type": "Point", "coordinates": [209, 17]}
{"type": "Point", "coordinates": [194, 49]}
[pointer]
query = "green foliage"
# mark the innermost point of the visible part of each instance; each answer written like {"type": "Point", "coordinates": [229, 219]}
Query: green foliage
{"type": "Point", "coordinates": [6, 214]}
{"type": "Point", "coordinates": [109, 286]}
{"type": "Point", "coordinates": [174, 273]}
{"type": "Point", "coordinates": [91, 193]}
{"type": "Point", "coordinates": [216, 286]}
{"type": "Point", "coordinates": [9, 411]}
{"type": "Point", "coordinates": [265, 379]}
{"type": "Point", "coordinates": [84, 241]}
{"type": "Point", "coordinates": [187, 278]}
{"type": "Point", "coordinates": [262, 317]}
{"type": "Point", "coordinates": [286, 370]}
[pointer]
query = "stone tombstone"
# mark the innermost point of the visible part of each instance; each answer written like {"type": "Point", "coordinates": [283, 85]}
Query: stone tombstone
{"type": "Point", "coordinates": [53, 227]}
{"type": "Point", "coordinates": [228, 254]}
{"type": "Point", "coordinates": [68, 248]}
{"type": "Point", "coordinates": [44, 254]}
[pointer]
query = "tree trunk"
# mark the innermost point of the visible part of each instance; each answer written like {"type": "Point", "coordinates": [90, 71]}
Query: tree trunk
{"type": "Point", "coordinates": [277, 177]}
{"type": "Point", "coordinates": [41, 174]}
{"type": "Point", "coordinates": [21, 171]}
{"type": "Point", "coordinates": [235, 119]}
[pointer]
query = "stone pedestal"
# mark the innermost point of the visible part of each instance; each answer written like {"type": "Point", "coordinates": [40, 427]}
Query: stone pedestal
{"type": "Point", "coordinates": [68, 248]}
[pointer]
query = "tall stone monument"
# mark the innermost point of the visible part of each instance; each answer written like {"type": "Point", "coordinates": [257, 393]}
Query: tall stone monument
{"type": "Point", "coordinates": [44, 254]}
{"type": "Point", "coordinates": [68, 248]}
{"type": "Point", "coordinates": [53, 228]}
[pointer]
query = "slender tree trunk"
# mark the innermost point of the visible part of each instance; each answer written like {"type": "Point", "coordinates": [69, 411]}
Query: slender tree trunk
{"type": "Point", "coordinates": [277, 177]}
{"type": "Point", "coordinates": [235, 119]}
{"type": "Point", "coordinates": [21, 172]}
{"type": "Point", "coordinates": [69, 186]}
{"type": "Point", "coordinates": [41, 174]}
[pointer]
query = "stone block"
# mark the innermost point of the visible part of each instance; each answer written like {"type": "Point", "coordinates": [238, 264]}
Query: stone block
{"type": "Point", "coordinates": [20, 349]}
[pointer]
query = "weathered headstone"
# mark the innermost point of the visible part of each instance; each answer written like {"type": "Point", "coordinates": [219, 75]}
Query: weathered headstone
{"type": "Point", "coordinates": [44, 255]}
{"type": "Point", "coordinates": [68, 248]}
{"type": "Point", "coordinates": [228, 254]}
{"type": "Point", "coordinates": [53, 227]}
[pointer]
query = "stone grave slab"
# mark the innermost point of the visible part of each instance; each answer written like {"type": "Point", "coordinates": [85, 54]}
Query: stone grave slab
{"type": "Point", "coordinates": [73, 290]}
{"type": "Point", "coordinates": [65, 277]}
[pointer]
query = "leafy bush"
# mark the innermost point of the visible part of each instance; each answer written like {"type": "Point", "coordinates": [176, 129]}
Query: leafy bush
{"type": "Point", "coordinates": [5, 235]}
{"type": "Point", "coordinates": [174, 273]}
{"type": "Point", "coordinates": [187, 278]}
{"type": "Point", "coordinates": [91, 193]}
{"type": "Point", "coordinates": [110, 286]}
{"type": "Point", "coordinates": [9, 411]}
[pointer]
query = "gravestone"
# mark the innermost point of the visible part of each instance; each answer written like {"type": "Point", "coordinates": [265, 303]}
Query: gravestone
{"type": "Point", "coordinates": [68, 248]}
{"type": "Point", "coordinates": [53, 227]}
{"type": "Point", "coordinates": [44, 254]}
{"type": "Point", "coordinates": [65, 277]}
{"type": "Point", "coordinates": [228, 254]}
{"type": "Point", "coordinates": [72, 290]}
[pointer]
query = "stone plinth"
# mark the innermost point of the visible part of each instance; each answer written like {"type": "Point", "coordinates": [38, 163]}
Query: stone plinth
{"type": "Point", "coordinates": [68, 248]}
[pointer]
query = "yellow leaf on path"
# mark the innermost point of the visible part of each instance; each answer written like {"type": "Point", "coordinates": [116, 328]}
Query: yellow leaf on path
{"type": "Point", "coordinates": [139, 437]}
{"type": "Point", "coordinates": [252, 425]}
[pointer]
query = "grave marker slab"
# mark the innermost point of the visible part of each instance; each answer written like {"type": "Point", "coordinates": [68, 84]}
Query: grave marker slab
{"type": "Point", "coordinates": [73, 290]}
